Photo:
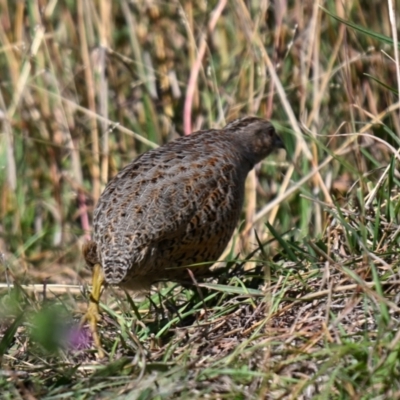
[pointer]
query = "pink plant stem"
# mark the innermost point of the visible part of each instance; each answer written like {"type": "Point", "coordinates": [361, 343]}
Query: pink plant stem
{"type": "Point", "coordinates": [84, 215]}
{"type": "Point", "coordinates": [191, 87]}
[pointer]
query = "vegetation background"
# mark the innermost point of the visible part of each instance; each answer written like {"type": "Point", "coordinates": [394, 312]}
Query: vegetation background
{"type": "Point", "coordinates": [308, 306]}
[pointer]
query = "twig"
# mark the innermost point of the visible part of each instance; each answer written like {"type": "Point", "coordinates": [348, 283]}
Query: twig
{"type": "Point", "coordinates": [187, 110]}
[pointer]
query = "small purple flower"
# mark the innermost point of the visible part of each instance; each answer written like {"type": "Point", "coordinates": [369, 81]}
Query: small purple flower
{"type": "Point", "coordinates": [78, 338]}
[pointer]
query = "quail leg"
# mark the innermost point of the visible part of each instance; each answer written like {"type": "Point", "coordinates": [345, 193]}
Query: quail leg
{"type": "Point", "coordinates": [92, 315]}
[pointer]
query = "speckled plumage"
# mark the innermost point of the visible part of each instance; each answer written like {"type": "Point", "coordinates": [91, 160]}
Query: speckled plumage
{"type": "Point", "coordinates": [176, 205]}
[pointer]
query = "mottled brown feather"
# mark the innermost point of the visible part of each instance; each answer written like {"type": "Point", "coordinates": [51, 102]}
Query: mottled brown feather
{"type": "Point", "coordinates": [176, 205]}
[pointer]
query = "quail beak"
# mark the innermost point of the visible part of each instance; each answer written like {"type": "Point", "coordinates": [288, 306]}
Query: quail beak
{"type": "Point", "coordinates": [279, 143]}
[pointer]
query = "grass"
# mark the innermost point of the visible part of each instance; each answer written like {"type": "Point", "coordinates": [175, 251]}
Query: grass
{"type": "Point", "coordinates": [306, 305]}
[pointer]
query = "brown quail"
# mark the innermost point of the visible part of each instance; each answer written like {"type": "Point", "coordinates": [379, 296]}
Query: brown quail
{"type": "Point", "coordinates": [172, 207]}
